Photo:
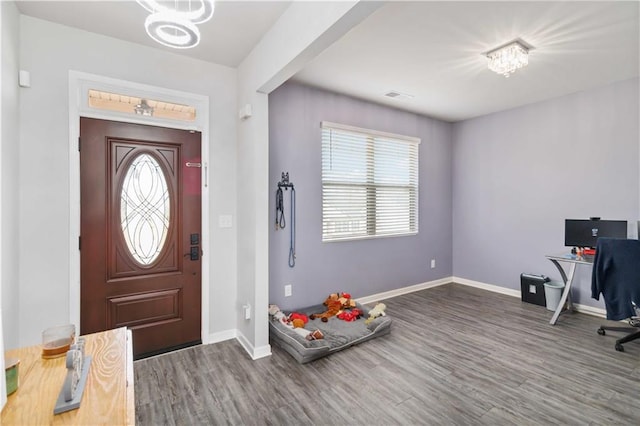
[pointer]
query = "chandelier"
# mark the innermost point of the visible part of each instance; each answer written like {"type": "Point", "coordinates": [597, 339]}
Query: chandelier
{"type": "Point", "coordinates": [143, 108]}
{"type": "Point", "coordinates": [176, 26]}
{"type": "Point", "coordinates": [508, 58]}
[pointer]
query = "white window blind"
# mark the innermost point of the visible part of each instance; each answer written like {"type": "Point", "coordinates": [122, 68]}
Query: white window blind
{"type": "Point", "coordinates": [369, 183]}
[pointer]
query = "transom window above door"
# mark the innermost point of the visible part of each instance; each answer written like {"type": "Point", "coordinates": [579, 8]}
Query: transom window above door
{"type": "Point", "coordinates": [134, 105]}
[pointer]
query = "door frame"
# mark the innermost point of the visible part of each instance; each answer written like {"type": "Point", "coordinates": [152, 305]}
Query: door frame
{"type": "Point", "coordinates": [79, 85]}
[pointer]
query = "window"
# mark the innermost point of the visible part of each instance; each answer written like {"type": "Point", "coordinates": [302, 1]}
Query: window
{"type": "Point", "coordinates": [369, 183]}
{"type": "Point", "coordinates": [134, 105]}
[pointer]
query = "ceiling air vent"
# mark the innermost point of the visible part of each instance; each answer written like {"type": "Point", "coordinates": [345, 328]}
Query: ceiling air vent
{"type": "Point", "coordinates": [398, 95]}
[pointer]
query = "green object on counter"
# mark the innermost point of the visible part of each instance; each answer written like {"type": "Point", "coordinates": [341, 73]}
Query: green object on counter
{"type": "Point", "coordinates": [11, 374]}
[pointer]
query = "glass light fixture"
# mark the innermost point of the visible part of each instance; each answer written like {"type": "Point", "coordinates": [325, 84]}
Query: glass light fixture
{"type": "Point", "coordinates": [171, 31]}
{"type": "Point", "coordinates": [508, 58]}
{"type": "Point", "coordinates": [176, 26]}
{"type": "Point", "coordinates": [143, 108]}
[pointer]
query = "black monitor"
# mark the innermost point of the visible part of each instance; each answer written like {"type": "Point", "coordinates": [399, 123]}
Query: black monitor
{"type": "Point", "coordinates": [585, 232]}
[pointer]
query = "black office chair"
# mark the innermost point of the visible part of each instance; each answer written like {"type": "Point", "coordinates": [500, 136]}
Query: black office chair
{"type": "Point", "coordinates": [635, 332]}
{"type": "Point", "coordinates": [617, 276]}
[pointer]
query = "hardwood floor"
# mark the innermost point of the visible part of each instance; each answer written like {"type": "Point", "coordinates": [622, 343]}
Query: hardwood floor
{"type": "Point", "coordinates": [455, 355]}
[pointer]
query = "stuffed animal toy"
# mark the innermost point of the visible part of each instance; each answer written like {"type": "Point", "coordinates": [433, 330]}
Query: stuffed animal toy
{"type": "Point", "coordinates": [274, 309]}
{"type": "Point", "coordinates": [350, 315]}
{"type": "Point", "coordinates": [298, 318]}
{"type": "Point", "coordinates": [345, 299]}
{"type": "Point", "coordinates": [377, 311]}
{"type": "Point", "coordinates": [333, 308]}
{"type": "Point", "coordinates": [335, 303]}
{"type": "Point", "coordinates": [297, 324]}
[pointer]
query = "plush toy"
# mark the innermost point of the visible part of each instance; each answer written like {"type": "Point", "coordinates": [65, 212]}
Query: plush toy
{"type": "Point", "coordinates": [274, 309]}
{"type": "Point", "coordinates": [350, 315]}
{"type": "Point", "coordinates": [297, 324]}
{"type": "Point", "coordinates": [377, 311]}
{"type": "Point", "coordinates": [301, 318]}
{"type": "Point", "coordinates": [346, 301]}
{"type": "Point", "coordinates": [335, 303]}
{"type": "Point", "coordinates": [333, 308]}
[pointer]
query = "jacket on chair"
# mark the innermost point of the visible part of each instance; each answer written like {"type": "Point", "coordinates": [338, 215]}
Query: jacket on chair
{"type": "Point", "coordinates": [616, 274]}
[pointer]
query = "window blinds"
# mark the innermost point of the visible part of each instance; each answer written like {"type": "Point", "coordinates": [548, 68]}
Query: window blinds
{"type": "Point", "coordinates": [369, 183]}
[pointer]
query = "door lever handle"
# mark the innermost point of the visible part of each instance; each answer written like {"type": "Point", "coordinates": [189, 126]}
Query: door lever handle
{"type": "Point", "coordinates": [194, 253]}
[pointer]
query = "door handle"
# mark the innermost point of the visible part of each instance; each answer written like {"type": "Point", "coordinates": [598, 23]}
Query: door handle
{"type": "Point", "coordinates": [194, 253]}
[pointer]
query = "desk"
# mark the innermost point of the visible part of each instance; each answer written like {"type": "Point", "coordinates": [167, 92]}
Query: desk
{"type": "Point", "coordinates": [573, 261]}
{"type": "Point", "coordinates": [108, 395]}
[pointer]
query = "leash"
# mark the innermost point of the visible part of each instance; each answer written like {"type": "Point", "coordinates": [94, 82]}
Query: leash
{"type": "Point", "coordinates": [292, 241]}
{"type": "Point", "coordinates": [280, 219]}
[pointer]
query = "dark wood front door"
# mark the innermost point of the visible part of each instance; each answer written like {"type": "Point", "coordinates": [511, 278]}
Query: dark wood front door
{"type": "Point", "coordinates": [140, 220]}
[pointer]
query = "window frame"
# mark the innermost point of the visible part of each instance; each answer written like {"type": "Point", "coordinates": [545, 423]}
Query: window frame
{"type": "Point", "coordinates": [371, 136]}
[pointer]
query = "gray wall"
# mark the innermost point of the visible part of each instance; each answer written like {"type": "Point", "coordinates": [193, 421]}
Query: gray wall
{"type": "Point", "coordinates": [363, 267]}
{"type": "Point", "coordinates": [518, 174]}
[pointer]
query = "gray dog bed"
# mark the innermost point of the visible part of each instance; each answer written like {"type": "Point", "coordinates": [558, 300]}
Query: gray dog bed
{"type": "Point", "coordinates": [338, 334]}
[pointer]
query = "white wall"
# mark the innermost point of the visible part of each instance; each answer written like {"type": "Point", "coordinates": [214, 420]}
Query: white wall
{"type": "Point", "coordinates": [49, 51]}
{"type": "Point", "coordinates": [10, 167]}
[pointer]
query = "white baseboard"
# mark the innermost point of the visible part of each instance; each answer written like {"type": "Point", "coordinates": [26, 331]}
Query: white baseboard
{"type": "Point", "coordinates": [585, 309]}
{"type": "Point", "coordinates": [485, 286]}
{"type": "Point", "coordinates": [261, 352]}
{"type": "Point", "coordinates": [254, 353]}
{"type": "Point", "coordinates": [590, 310]}
{"type": "Point", "coordinates": [404, 290]}
{"type": "Point", "coordinates": [221, 336]}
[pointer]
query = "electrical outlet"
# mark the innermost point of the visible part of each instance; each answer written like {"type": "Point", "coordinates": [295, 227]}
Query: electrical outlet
{"type": "Point", "coordinates": [247, 311]}
{"type": "Point", "coordinates": [433, 263]}
{"type": "Point", "coordinates": [287, 290]}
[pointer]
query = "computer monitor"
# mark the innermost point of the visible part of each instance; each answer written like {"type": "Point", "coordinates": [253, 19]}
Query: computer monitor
{"type": "Point", "coordinates": [585, 232]}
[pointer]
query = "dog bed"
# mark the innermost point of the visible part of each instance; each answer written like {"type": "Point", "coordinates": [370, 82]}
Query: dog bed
{"type": "Point", "coordinates": [338, 334]}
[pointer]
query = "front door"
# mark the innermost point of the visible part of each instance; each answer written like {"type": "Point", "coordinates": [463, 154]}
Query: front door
{"type": "Point", "coordinates": [140, 230]}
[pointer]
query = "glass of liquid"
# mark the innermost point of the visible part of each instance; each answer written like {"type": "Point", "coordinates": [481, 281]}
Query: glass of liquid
{"type": "Point", "coordinates": [57, 340]}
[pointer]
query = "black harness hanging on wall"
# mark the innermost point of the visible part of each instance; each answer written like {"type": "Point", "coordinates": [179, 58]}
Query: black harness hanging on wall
{"type": "Point", "coordinates": [280, 218]}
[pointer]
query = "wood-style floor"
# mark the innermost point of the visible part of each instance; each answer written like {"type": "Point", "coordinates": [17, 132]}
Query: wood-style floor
{"type": "Point", "coordinates": [455, 355]}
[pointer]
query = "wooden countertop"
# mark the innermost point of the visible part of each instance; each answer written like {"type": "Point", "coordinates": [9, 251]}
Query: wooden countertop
{"type": "Point", "coordinates": [108, 397]}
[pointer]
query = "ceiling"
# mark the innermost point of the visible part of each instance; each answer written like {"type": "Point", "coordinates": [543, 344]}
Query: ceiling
{"type": "Point", "coordinates": [430, 50]}
{"type": "Point", "coordinates": [236, 26]}
{"type": "Point", "coordinates": [433, 51]}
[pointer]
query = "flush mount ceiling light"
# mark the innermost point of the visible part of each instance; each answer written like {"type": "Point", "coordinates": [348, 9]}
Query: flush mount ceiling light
{"type": "Point", "coordinates": [509, 57]}
{"type": "Point", "coordinates": [176, 26]}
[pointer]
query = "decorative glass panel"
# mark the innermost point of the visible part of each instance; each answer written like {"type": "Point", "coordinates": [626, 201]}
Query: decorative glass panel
{"type": "Point", "coordinates": [141, 106]}
{"type": "Point", "coordinates": [145, 209]}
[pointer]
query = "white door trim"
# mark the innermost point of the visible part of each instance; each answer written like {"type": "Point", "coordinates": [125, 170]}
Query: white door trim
{"type": "Point", "coordinates": [79, 84]}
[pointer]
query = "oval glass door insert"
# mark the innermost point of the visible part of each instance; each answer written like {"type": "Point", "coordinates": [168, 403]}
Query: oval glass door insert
{"type": "Point", "coordinates": [145, 209]}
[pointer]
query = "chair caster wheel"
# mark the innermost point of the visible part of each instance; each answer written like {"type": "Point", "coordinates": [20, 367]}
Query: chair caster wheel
{"type": "Point", "coordinates": [601, 331]}
{"type": "Point", "coordinates": [619, 347]}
